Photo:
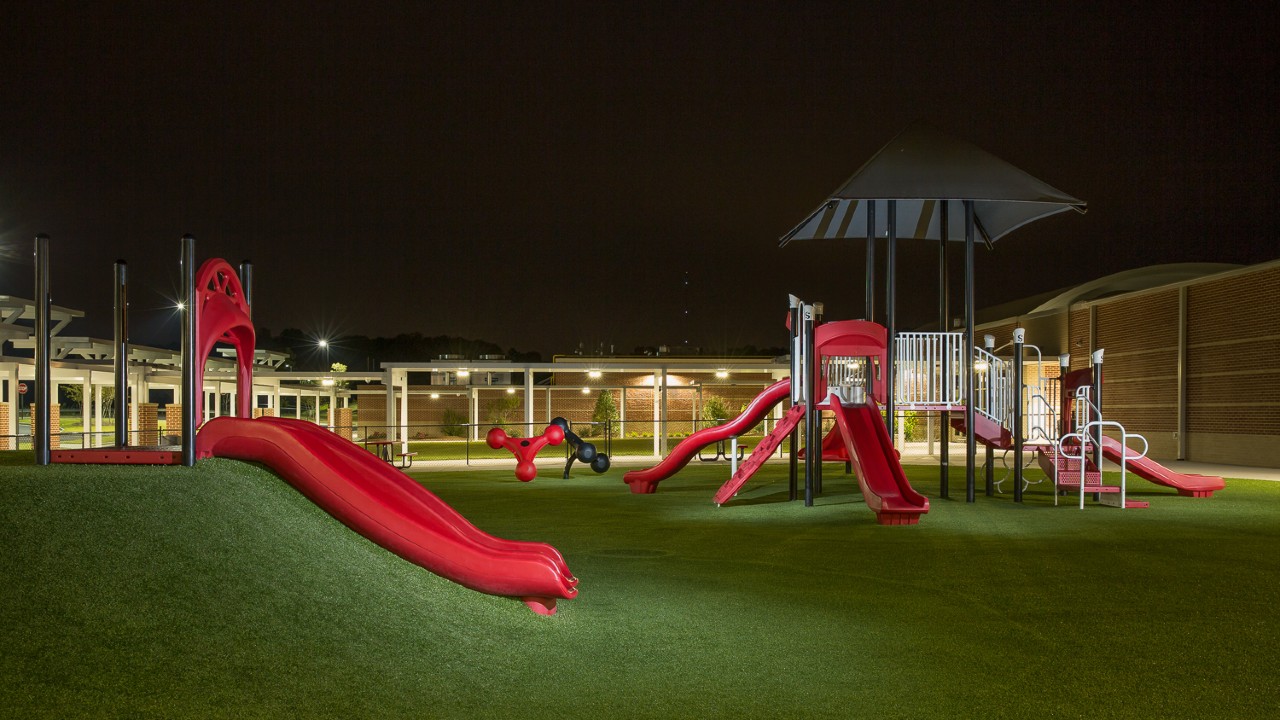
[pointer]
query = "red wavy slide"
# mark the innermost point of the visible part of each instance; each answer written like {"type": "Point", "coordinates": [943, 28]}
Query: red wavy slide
{"type": "Point", "coordinates": [884, 485]}
{"type": "Point", "coordinates": [388, 507]}
{"type": "Point", "coordinates": [1148, 469]}
{"type": "Point", "coordinates": [646, 481]}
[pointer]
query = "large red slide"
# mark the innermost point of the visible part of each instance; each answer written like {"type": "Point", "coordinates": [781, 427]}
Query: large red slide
{"type": "Point", "coordinates": [386, 506]}
{"type": "Point", "coordinates": [646, 481]}
{"type": "Point", "coordinates": [884, 484]}
{"type": "Point", "coordinates": [1148, 469]}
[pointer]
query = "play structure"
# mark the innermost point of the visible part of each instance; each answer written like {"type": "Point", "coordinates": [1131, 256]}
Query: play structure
{"type": "Point", "coordinates": [1062, 428]}
{"type": "Point", "coordinates": [354, 486]}
{"type": "Point", "coordinates": [580, 450]}
{"type": "Point", "coordinates": [526, 449]}
{"type": "Point", "coordinates": [838, 365]}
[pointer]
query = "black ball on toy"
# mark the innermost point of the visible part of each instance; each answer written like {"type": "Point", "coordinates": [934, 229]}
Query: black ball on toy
{"type": "Point", "coordinates": [600, 463]}
{"type": "Point", "coordinates": [564, 424]}
{"type": "Point", "coordinates": [586, 452]}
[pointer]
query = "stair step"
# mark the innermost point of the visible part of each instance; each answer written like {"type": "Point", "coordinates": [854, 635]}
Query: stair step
{"type": "Point", "coordinates": [764, 450]}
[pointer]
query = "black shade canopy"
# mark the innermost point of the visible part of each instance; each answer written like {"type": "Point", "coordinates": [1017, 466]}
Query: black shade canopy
{"type": "Point", "coordinates": [921, 169]}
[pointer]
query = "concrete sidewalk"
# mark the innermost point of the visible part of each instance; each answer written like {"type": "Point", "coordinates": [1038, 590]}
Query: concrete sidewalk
{"type": "Point", "coordinates": [912, 454]}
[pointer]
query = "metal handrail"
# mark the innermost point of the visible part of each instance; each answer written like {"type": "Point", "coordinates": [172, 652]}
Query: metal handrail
{"type": "Point", "coordinates": [1083, 441]}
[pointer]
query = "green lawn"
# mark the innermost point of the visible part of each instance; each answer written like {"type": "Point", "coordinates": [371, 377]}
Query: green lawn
{"type": "Point", "coordinates": [218, 591]}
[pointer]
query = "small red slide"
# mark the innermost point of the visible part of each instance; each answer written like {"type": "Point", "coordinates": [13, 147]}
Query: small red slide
{"type": "Point", "coordinates": [1148, 469]}
{"type": "Point", "coordinates": [386, 506]}
{"type": "Point", "coordinates": [884, 485]}
{"type": "Point", "coordinates": [646, 481]}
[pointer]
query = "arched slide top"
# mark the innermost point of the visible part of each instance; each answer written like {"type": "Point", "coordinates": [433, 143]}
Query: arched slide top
{"type": "Point", "coordinates": [853, 338]}
{"type": "Point", "coordinates": [223, 315]}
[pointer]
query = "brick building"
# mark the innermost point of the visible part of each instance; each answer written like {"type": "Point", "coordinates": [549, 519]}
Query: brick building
{"type": "Point", "coordinates": [1191, 355]}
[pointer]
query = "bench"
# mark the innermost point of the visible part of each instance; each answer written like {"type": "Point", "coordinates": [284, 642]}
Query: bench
{"type": "Point", "coordinates": [406, 458]}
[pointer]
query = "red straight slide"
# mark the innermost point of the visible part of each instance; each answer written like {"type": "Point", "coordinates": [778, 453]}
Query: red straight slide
{"type": "Point", "coordinates": [386, 506]}
{"type": "Point", "coordinates": [1147, 469]}
{"type": "Point", "coordinates": [646, 481]}
{"type": "Point", "coordinates": [884, 485]}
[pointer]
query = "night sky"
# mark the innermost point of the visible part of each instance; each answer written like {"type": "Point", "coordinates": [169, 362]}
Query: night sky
{"type": "Point", "coordinates": [541, 175]}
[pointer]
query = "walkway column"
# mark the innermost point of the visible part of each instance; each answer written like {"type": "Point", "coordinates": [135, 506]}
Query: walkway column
{"type": "Point", "coordinates": [404, 411]}
{"type": "Point", "coordinates": [657, 414]}
{"type": "Point", "coordinates": [97, 408]}
{"type": "Point", "coordinates": [528, 402]}
{"type": "Point", "coordinates": [389, 418]}
{"type": "Point", "coordinates": [663, 410]}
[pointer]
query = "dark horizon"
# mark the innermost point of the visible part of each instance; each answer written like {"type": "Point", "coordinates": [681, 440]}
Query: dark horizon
{"type": "Point", "coordinates": [542, 178]}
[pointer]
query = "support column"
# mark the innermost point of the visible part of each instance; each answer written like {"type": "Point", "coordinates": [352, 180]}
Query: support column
{"type": "Point", "coordinates": [657, 413]}
{"type": "Point", "coordinates": [403, 431]}
{"type": "Point", "coordinates": [890, 291]}
{"type": "Point", "coordinates": [971, 446]}
{"type": "Point", "coordinates": [944, 372]}
{"type": "Point", "coordinates": [97, 409]}
{"type": "Point", "coordinates": [871, 262]}
{"type": "Point", "coordinates": [528, 402]}
{"type": "Point", "coordinates": [40, 417]}
{"type": "Point", "coordinates": [389, 419]}
{"type": "Point", "coordinates": [190, 363]}
{"type": "Point", "coordinates": [473, 411]}
{"type": "Point", "coordinates": [1019, 336]}
{"type": "Point", "coordinates": [662, 408]}
{"type": "Point", "coordinates": [1182, 373]}
{"type": "Point", "coordinates": [989, 488]}
{"type": "Point", "coordinates": [1097, 402]}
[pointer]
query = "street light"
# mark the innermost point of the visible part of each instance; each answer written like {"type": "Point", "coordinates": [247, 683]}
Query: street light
{"type": "Point", "coordinates": [324, 345]}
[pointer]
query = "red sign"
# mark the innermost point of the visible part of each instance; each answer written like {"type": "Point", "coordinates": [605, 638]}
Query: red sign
{"type": "Point", "coordinates": [22, 388]}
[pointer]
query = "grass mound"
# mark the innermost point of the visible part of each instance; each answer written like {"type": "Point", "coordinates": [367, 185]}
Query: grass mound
{"type": "Point", "coordinates": [218, 591]}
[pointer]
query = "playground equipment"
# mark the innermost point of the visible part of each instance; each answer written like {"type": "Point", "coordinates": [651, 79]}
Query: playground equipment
{"type": "Point", "coordinates": [580, 450]}
{"type": "Point", "coordinates": [351, 484]}
{"type": "Point", "coordinates": [1014, 415]}
{"type": "Point", "coordinates": [840, 363]}
{"type": "Point", "coordinates": [525, 449]}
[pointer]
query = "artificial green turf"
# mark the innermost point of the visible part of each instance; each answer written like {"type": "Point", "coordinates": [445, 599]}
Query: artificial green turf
{"type": "Point", "coordinates": [218, 591]}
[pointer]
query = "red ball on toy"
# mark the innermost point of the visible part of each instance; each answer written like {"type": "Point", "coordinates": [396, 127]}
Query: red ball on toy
{"type": "Point", "coordinates": [495, 438]}
{"type": "Point", "coordinates": [554, 434]}
{"type": "Point", "coordinates": [526, 471]}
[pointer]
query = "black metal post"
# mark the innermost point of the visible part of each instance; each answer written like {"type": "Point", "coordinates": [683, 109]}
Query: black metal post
{"type": "Point", "coordinates": [989, 344]}
{"type": "Point", "coordinates": [944, 373]}
{"type": "Point", "coordinates": [1019, 336]}
{"type": "Point", "coordinates": [817, 418]}
{"type": "Point", "coordinates": [971, 445]}
{"type": "Point", "coordinates": [121, 345]}
{"type": "Point", "coordinates": [1064, 401]}
{"type": "Point", "coordinates": [890, 291]}
{"type": "Point", "coordinates": [190, 363]}
{"type": "Point", "coordinates": [40, 421]}
{"type": "Point", "coordinates": [796, 385]}
{"type": "Point", "coordinates": [871, 260]}
{"type": "Point", "coordinates": [811, 440]}
{"type": "Point", "coordinates": [246, 282]}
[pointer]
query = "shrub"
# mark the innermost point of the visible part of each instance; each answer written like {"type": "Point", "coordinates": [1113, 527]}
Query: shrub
{"type": "Point", "coordinates": [714, 410]}
{"type": "Point", "coordinates": [455, 423]}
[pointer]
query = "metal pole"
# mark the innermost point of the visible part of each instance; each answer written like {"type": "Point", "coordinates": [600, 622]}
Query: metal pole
{"type": "Point", "coordinates": [971, 445]}
{"type": "Point", "coordinates": [1097, 403]}
{"type": "Point", "coordinates": [1019, 336]}
{"type": "Point", "coordinates": [1064, 398]}
{"type": "Point", "coordinates": [797, 384]}
{"type": "Point", "coordinates": [890, 291]}
{"type": "Point", "coordinates": [871, 260]}
{"type": "Point", "coordinates": [944, 372]}
{"type": "Point", "coordinates": [121, 402]}
{"type": "Point", "coordinates": [190, 363]}
{"type": "Point", "coordinates": [40, 422]}
{"type": "Point", "coordinates": [246, 282]}
{"type": "Point", "coordinates": [811, 416]}
{"type": "Point", "coordinates": [817, 367]}
{"type": "Point", "coordinates": [989, 344]}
